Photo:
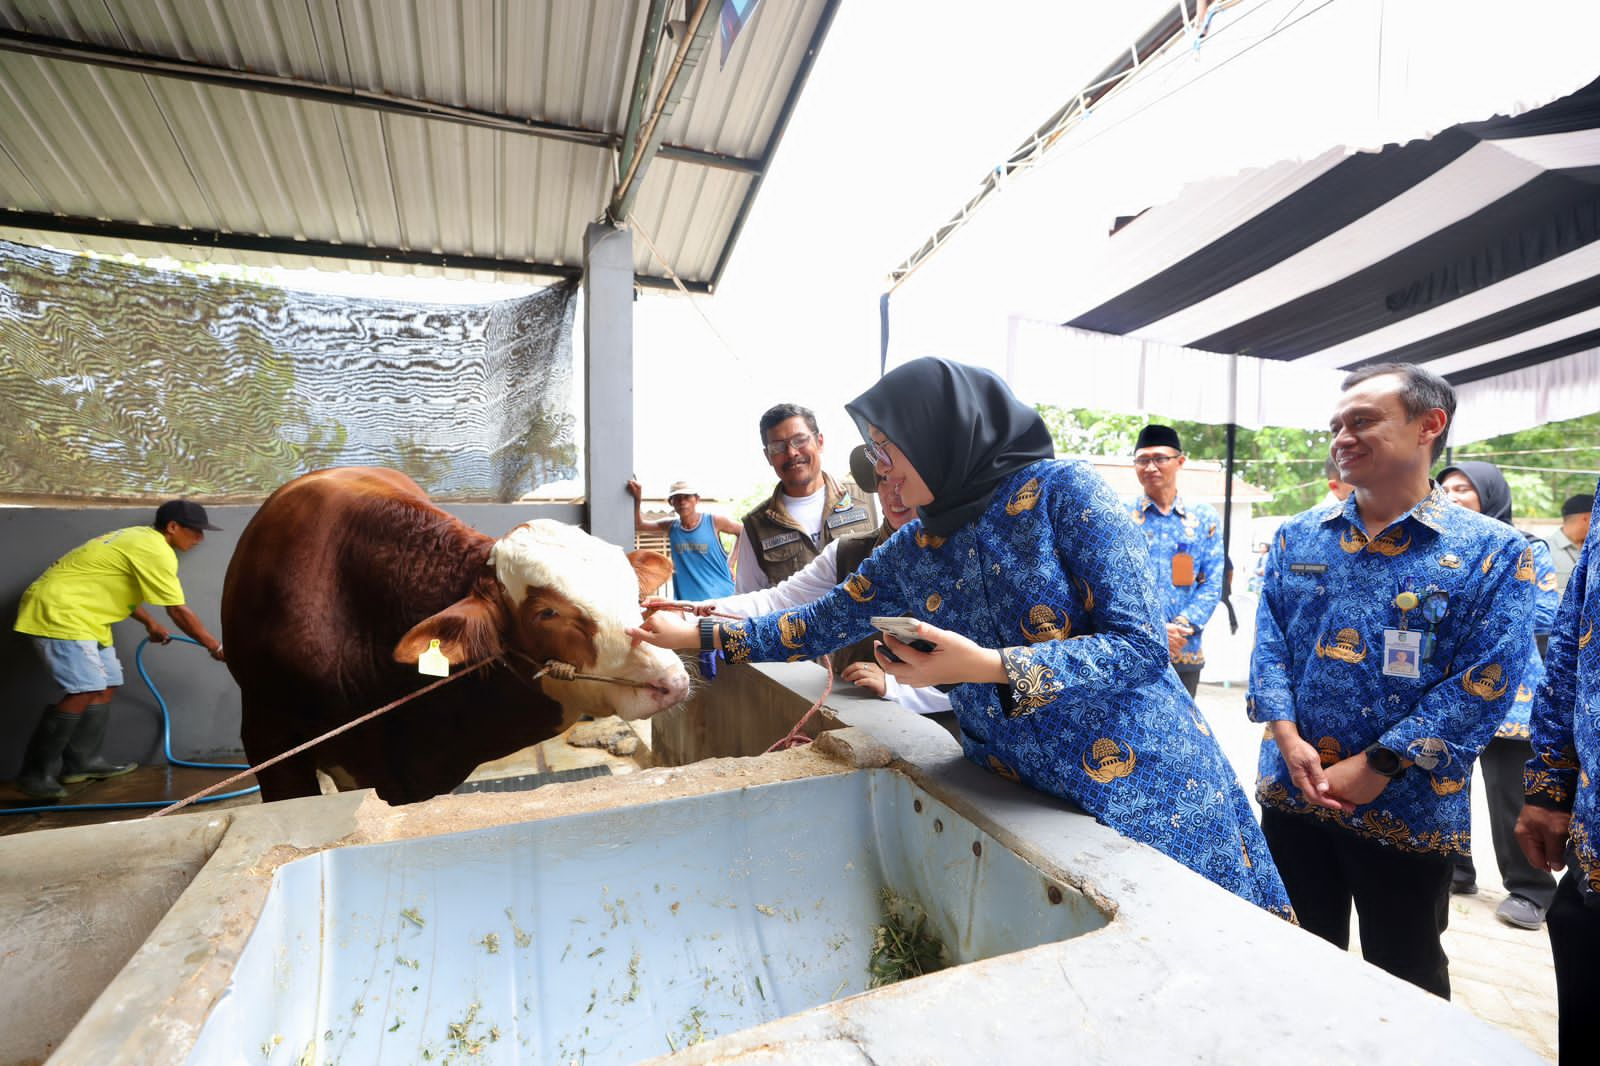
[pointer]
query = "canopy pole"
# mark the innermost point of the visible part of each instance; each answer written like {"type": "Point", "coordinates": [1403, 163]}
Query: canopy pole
{"type": "Point", "coordinates": [883, 333]}
{"type": "Point", "coordinates": [1227, 492]}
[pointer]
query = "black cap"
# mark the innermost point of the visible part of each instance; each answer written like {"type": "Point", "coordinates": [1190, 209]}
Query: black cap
{"type": "Point", "coordinates": [186, 513]}
{"type": "Point", "coordinates": [1582, 503]}
{"type": "Point", "coordinates": [862, 470]}
{"type": "Point", "coordinates": [1158, 437]}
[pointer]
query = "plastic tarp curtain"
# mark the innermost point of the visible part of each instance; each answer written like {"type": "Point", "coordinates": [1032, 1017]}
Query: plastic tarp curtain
{"type": "Point", "coordinates": [124, 381]}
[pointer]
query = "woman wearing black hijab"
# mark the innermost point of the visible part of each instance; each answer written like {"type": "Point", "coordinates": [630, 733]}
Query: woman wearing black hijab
{"type": "Point", "coordinates": [1029, 579]}
{"type": "Point", "coordinates": [1480, 487]}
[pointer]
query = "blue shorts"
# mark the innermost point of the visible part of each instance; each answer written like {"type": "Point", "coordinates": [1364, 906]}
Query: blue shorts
{"type": "Point", "coordinates": [80, 665]}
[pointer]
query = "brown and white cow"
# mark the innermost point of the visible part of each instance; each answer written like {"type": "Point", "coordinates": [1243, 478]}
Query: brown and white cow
{"type": "Point", "coordinates": [341, 581]}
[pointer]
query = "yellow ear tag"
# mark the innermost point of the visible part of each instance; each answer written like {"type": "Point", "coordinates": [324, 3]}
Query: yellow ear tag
{"type": "Point", "coordinates": [433, 661]}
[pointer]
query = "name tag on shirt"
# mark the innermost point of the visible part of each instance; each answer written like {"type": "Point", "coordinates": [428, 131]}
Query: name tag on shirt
{"type": "Point", "coordinates": [855, 514]}
{"type": "Point", "coordinates": [1402, 651]}
{"type": "Point", "coordinates": [779, 541]}
{"type": "Point", "coordinates": [1308, 568]}
{"type": "Point", "coordinates": [1182, 569]}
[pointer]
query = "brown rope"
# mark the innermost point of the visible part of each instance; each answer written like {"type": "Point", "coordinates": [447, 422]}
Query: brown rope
{"type": "Point", "coordinates": [554, 667]}
{"type": "Point", "coordinates": [700, 610]}
{"type": "Point", "coordinates": [313, 742]}
{"type": "Point", "coordinates": [567, 672]}
{"type": "Point", "coordinates": [796, 736]}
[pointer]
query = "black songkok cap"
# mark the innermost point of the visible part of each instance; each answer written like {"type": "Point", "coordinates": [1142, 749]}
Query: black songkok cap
{"type": "Point", "coordinates": [1158, 437]}
{"type": "Point", "coordinates": [1582, 503]}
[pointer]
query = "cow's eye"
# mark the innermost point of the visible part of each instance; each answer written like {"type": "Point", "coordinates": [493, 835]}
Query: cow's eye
{"type": "Point", "coordinates": [549, 614]}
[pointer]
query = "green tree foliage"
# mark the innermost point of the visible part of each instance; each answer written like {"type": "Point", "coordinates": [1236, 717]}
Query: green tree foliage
{"type": "Point", "coordinates": [1544, 465]}
{"type": "Point", "coordinates": [1284, 462]}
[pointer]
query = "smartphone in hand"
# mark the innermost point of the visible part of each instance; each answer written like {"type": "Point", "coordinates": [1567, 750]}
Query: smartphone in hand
{"type": "Point", "coordinates": [903, 630]}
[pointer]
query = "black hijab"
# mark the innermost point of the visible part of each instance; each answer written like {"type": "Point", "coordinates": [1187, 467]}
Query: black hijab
{"type": "Point", "coordinates": [1494, 495]}
{"type": "Point", "coordinates": [962, 429]}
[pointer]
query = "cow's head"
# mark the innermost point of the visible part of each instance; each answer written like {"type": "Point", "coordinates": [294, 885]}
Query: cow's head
{"type": "Point", "coordinates": [555, 592]}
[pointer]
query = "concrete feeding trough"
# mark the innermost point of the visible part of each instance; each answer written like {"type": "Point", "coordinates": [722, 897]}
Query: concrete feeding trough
{"type": "Point", "coordinates": [722, 911]}
{"type": "Point", "coordinates": [617, 935]}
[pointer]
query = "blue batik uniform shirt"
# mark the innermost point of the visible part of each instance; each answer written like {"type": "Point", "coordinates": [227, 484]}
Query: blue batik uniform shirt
{"type": "Point", "coordinates": [1328, 597]}
{"type": "Point", "coordinates": [1196, 529]}
{"type": "Point", "coordinates": [1053, 574]}
{"type": "Point", "coordinates": [1538, 569]}
{"type": "Point", "coordinates": [1566, 715]}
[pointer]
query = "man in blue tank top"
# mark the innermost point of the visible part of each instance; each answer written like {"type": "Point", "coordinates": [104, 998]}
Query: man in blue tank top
{"type": "Point", "coordinates": [699, 563]}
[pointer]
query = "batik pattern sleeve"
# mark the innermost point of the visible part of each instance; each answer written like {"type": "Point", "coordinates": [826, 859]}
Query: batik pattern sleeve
{"type": "Point", "coordinates": [1101, 564]}
{"type": "Point", "coordinates": [1458, 715]}
{"type": "Point", "coordinates": [1210, 571]}
{"type": "Point", "coordinates": [1271, 695]}
{"type": "Point", "coordinates": [1551, 777]}
{"type": "Point", "coordinates": [1546, 596]}
{"type": "Point", "coordinates": [841, 617]}
{"type": "Point", "coordinates": [1536, 568]}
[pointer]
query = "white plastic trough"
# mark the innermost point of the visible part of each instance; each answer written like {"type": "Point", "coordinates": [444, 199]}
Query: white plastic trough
{"type": "Point", "coordinates": [617, 935]}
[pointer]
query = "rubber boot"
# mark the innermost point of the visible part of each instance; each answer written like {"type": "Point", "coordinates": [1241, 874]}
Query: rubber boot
{"type": "Point", "coordinates": [82, 761]}
{"type": "Point", "coordinates": [42, 761]}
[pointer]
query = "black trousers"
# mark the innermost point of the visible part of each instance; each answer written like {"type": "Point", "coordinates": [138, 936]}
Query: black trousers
{"type": "Point", "coordinates": [1401, 897]}
{"type": "Point", "coordinates": [1575, 943]}
{"type": "Point", "coordinates": [1502, 763]}
{"type": "Point", "coordinates": [1190, 679]}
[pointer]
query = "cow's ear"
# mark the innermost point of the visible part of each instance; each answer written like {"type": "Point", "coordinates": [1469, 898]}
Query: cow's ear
{"type": "Point", "coordinates": [652, 569]}
{"type": "Point", "coordinates": [467, 631]}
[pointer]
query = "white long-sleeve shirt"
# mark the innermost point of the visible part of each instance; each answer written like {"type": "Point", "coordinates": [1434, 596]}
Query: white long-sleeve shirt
{"type": "Point", "coordinates": [811, 583]}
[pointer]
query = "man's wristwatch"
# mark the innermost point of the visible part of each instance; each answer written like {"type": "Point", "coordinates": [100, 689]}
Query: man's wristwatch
{"type": "Point", "coordinates": [1384, 761]}
{"type": "Point", "coordinates": [708, 634]}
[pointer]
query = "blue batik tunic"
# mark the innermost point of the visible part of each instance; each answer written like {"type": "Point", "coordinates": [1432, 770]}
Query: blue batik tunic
{"type": "Point", "coordinates": [1192, 528]}
{"type": "Point", "coordinates": [1539, 569]}
{"type": "Point", "coordinates": [1566, 715]}
{"type": "Point", "coordinates": [1328, 597]}
{"type": "Point", "coordinates": [1054, 575]}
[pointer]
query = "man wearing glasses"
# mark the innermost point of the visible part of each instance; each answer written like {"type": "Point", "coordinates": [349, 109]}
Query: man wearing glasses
{"type": "Point", "coordinates": [807, 510]}
{"type": "Point", "coordinates": [1185, 539]}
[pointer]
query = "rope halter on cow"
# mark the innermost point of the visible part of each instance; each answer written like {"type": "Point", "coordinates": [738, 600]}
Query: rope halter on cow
{"type": "Point", "coordinates": [554, 667]}
{"type": "Point", "coordinates": [567, 672]}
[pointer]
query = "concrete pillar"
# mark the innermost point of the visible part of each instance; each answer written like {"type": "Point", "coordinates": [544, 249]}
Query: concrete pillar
{"type": "Point", "coordinates": [608, 392]}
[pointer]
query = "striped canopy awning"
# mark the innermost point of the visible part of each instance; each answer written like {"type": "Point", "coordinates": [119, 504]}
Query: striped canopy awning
{"type": "Point", "coordinates": [1475, 252]}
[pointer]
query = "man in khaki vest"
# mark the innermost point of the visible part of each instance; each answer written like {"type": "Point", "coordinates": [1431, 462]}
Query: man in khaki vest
{"type": "Point", "coordinates": [807, 509]}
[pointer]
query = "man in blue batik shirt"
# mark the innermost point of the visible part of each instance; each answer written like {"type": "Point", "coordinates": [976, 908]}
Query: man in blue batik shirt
{"type": "Point", "coordinates": [1560, 825]}
{"type": "Point", "coordinates": [1390, 640]}
{"type": "Point", "coordinates": [1186, 562]}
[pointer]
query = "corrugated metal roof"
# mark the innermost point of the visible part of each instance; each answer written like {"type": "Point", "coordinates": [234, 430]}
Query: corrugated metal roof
{"type": "Point", "coordinates": [82, 137]}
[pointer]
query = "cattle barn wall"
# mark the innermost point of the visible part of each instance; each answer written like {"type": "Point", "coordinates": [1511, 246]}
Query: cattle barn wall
{"type": "Point", "coordinates": [201, 694]}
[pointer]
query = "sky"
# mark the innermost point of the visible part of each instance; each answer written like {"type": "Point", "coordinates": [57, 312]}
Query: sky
{"type": "Point", "coordinates": [909, 105]}
{"type": "Point", "coordinates": [912, 103]}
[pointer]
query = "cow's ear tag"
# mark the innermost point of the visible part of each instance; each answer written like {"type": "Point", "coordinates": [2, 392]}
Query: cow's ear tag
{"type": "Point", "coordinates": [433, 661]}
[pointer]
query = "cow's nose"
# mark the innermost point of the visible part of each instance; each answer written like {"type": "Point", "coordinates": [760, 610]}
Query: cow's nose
{"type": "Point", "coordinates": [674, 688]}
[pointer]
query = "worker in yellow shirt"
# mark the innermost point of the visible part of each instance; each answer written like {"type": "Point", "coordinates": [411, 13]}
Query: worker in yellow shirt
{"type": "Point", "coordinates": [69, 611]}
